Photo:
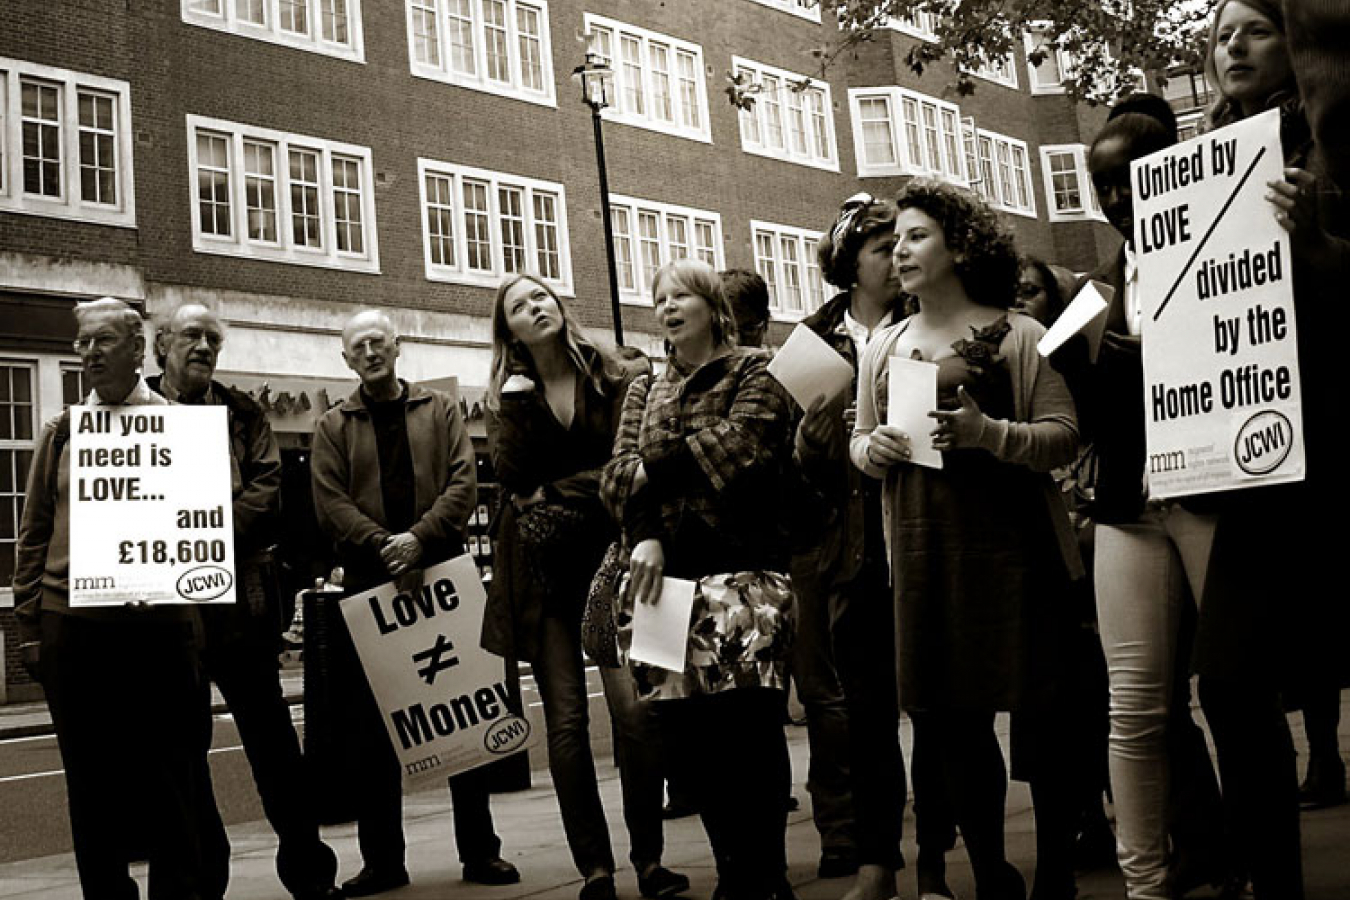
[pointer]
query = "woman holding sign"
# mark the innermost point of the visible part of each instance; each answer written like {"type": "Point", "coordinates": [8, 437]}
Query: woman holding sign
{"type": "Point", "coordinates": [980, 546]}
{"type": "Point", "coordinates": [698, 479]}
{"type": "Point", "coordinates": [1267, 623]}
{"type": "Point", "coordinates": [553, 400]}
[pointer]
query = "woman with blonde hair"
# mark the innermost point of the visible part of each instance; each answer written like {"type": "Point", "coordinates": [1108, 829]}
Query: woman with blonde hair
{"type": "Point", "coordinates": [553, 402]}
{"type": "Point", "coordinates": [697, 480]}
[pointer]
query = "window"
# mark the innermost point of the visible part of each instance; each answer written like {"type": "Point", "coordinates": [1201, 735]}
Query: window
{"type": "Point", "coordinates": [1001, 174]}
{"type": "Point", "coordinates": [1069, 194]}
{"type": "Point", "coordinates": [922, 25]}
{"type": "Point", "coordinates": [806, 9]}
{"type": "Point", "coordinates": [897, 131]}
{"type": "Point", "coordinates": [1049, 75]}
{"type": "Point", "coordinates": [658, 79]}
{"type": "Point", "coordinates": [497, 46]}
{"type": "Point", "coordinates": [785, 257]}
{"type": "Point", "coordinates": [478, 226]}
{"type": "Point", "coordinates": [281, 197]}
{"type": "Point", "coordinates": [786, 122]}
{"type": "Point", "coordinates": [65, 144]}
{"type": "Point", "coordinates": [648, 235]}
{"type": "Point", "coordinates": [1002, 71]}
{"type": "Point", "coordinates": [330, 27]}
{"type": "Point", "coordinates": [18, 415]}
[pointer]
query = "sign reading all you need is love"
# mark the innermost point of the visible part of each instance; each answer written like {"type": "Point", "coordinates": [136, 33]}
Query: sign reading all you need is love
{"type": "Point", "coordinates": [1221, 378]}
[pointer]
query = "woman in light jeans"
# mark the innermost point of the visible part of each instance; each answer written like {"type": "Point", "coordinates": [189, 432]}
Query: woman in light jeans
{"type": "Point", "coordinates": [1150, 564]}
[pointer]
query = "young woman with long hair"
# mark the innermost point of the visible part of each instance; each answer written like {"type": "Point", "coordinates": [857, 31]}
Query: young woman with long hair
{"type": "Point", "coordinates": [553, 400]}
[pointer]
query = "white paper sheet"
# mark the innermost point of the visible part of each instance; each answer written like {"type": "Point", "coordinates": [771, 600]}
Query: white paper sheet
{"type": "Point", "coordinates": [661, 630]}
{"type": "Point", "coordinates": [1086, 313]}
{"type": "Point", "coordinates": [912, 392]}
{"type": "Point", "coordinates": [810, 368]}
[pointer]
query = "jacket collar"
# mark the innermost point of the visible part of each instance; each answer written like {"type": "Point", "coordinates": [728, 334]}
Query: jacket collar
{"type": "Point", "coordinates": [354, 405]}
{"type": "Point", "coordinates": [830, 316]}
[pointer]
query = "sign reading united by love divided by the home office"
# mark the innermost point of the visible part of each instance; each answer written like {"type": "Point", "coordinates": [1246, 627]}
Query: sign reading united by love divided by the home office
{"type": "Point", "coordinates": [151, 519]}
{"type": "Point", "coordinates": [1221, 380]}
{"type": "Point", "coordinates": [444, 699]}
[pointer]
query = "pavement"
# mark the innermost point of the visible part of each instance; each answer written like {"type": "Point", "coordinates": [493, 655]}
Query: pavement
{"type": "Point", "coordinates": [531, 828]}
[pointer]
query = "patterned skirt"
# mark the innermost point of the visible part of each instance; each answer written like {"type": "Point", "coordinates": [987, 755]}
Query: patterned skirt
{"type": "Point", "coordinates": [740, 635]}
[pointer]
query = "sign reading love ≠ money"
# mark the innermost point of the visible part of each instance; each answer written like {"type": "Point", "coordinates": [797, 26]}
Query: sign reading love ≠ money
{"type": "Point", "coordinates": [150, 505]}
{"type": "Point", "coordinates": [1221, 380]}
{"type": "Point", "coordinates": [443, 698]}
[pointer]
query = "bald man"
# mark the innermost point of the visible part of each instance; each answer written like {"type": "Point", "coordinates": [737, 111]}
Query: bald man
{"type": "Point", "coordinates": [394, 485]}
{"type": "Point", "coordinates": [242, 640]}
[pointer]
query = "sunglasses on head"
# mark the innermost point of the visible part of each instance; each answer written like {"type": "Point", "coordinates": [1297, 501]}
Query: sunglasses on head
{"type": "Point", "coordinates": [848, 214]}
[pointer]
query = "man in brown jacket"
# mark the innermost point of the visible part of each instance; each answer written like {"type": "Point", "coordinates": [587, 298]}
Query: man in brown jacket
{"type": "Point", "coordinates": [394, 485]}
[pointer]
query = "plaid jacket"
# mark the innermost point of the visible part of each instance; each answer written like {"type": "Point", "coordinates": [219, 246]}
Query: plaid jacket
{"type": "Point", "coordinates": [715, 442]}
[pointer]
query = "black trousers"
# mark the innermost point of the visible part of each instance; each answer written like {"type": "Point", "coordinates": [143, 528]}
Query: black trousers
{"type": "Point", "coordinates": [241, 658]}
{"type": "Point", "coordinates": [132, 718]}
{"type": "Point", "coordinates": [728, 752]}
{"type": "Point", "coordinates": [1260, 782]}
{"type": "Point", "coordinates": [376, 777]}
{"type": "Point", "coordinates": [864, 651]}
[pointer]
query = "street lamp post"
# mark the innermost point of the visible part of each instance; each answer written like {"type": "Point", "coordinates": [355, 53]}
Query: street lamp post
{"type": "Point", "coordinates": [597, 79]}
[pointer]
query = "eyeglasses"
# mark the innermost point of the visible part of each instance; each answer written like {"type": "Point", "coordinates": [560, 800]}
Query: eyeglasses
{"type": "Point", "coordinates": [193, 336]}
{"type": "Point", "coordinates": [848, 214]}
{"type": "Point", "coordinates": [1028, 289]}
{"type": "Point", "coordinates": [103, 342]}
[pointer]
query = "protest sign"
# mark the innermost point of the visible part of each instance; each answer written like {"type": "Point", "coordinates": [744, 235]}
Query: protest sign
{"type": "Point", "coordinates": [443, 698]}
{"type": "Point", "coordinates": [151, 516]}
{"type": "Point", "coordinates": [1221, 382]}
{"type": "Point", "coordinates": [911, 390]}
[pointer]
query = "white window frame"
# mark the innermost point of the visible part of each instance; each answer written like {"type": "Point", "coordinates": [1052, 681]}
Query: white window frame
{"type": "Point", "coordinates": [459, 272]}
{"type": "Point", "coordinates": [949, 166]}
{"type": "Point", "coordinates": [921, 25]}
{"type": "Point", "coordinates": [19, 445]}
{"type": "Point", "coordinates": [285, 249]}
{"type": "Point", "coordinates": [630, 208]}
{"type": "Point", "coordinates": [1003, 72]}
{"type": "Point", "coordinates": [228, 18]}
{"type": "Point", "coordinates": [802, 9]}
{"type": "Point", "coordinates": [444, 70]}
{"type": "Point", "coordinates": [1091, 209]}
{"type": "Point", "coordinates": [993, 193]}
{"type": "Point", "coordinates": [1033, 38]}
{"type": "Point", "coordinates": [814, 290]}
{"type": "Point", "coordinates": [617, 111]}
{"type": "Point", "coordinates": [70, 202]}
{"type": "Point", "coordinates": [758, 145]}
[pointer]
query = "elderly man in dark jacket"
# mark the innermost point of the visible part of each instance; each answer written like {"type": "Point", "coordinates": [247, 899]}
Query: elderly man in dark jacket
{"type": "Point", "coordinates": [242, 640]}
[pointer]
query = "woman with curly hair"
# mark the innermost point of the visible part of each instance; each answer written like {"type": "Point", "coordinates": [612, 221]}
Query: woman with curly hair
{"type": "Point", "coordinates": [981, 550]}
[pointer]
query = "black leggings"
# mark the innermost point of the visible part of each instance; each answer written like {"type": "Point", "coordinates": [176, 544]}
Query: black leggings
{"type": "Point", "coordinates": [727, 752]}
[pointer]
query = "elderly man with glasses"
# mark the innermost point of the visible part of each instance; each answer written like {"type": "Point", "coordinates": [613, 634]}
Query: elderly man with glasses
{"type": "Point", "coordinates": [123, 684]}
{"type": "Point", "coordinates": [242, 640]}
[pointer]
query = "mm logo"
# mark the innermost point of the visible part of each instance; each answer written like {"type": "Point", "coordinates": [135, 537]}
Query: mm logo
{"type": "Point", "coordinates": [1263, 442]}
{"type": "Point", "coordinates": [204, 583]}
{"type": "Point", "coordinates": [507, 735]}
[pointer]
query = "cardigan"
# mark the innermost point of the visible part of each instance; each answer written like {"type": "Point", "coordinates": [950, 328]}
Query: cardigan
{"type": "Point", "coordinates": [1043, 436]}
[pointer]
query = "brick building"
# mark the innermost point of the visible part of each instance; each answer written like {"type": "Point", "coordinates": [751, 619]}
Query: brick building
{"type": "Point", "coordinates": [289, 161]}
